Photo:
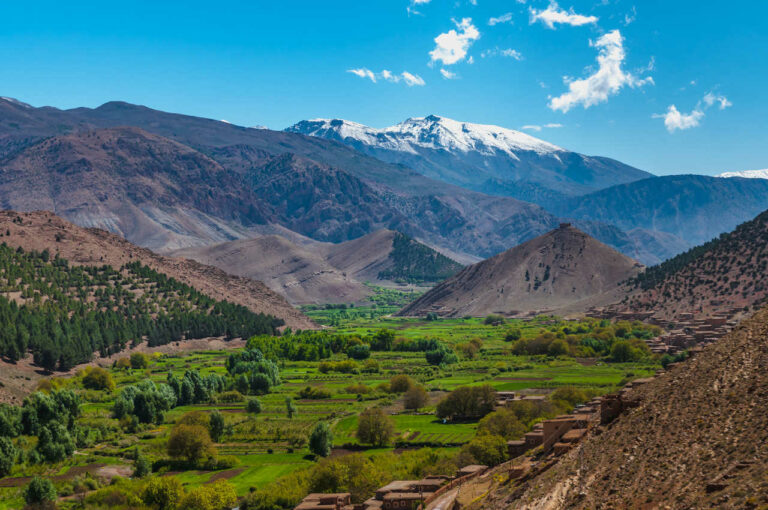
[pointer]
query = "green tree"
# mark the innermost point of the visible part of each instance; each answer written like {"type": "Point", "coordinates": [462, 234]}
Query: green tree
{"type": "Point", "coordinates": [321, 439]}
{"type": "Point", "coordinates": [253, 406]}
{"type": "Point", "coordinates": [219, 495]}
{"type": "Point", "coordinates": [504, 423]}
{"type": "Point", "coordinates": [487, 449]}
{"type": "Point", "coordinates": [216, 425]}
{"type": "Point", "coordinates": [96, 378]}
{"type": "Point", "coordinates": [163, 493]}
{"type": "Point", "coordinates": [467, 402]}
{"type": "Point", "coordinates": [142, 467]}
{"type": "Point", "coordinates": [8, 455]}
{"type": "Point", "coordinates": [374, 427]}
{"type": "Point", "coordinates": [558, 347]}
{"type": "Point", "coordinates": [139, 361]}
{"type": "Point", "coordinates": [290, 408]}
{"type": "Point", "coordinates": [190, 442]}
{"type": "Point", "coordinates": [400, 383]}
{"type": "Point", "coordinates": [415, 397]}
{"type": "Point", "coordinates": [39, 490]}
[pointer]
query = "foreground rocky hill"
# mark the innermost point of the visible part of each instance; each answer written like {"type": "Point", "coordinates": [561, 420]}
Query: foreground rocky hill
{"type": "Point", "coordinates": [306, 271]}
{"type": "Point", "coordinates": [724, 274]}
{"type": "Point", "coordinates": [564, 270]}
{"type": "Point", "coordinates": [699, 439]}
{"type": "Point", "coordinates": [93, 247]}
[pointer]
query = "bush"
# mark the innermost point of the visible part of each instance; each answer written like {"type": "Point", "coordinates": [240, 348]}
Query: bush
{"type": "Point", "coordinates": [253, 406]}
{"type": "Point", "coordinates": [96, 378]}
{"type": "Point", "coordinates": [219, 495]}
{"type": "Point", "coordinates": [359, 352]}
{"type": "Point", "coordinates": [443, 355]}
{"type": "Point", "coordinates": [570, 395]}
{"type": "Point", "coordinates": [558, 347]}
{"type": "Point", "coordinates": [400, 383]}
{"type": "Point", "coordinates": [467, 402]}
{"type": "Point", "coordinates": [358, 389]}
{"type": "Point", "coordinates": [415, 397]}
{"type": "Point", "coordinates": [314, 393]}
{"type": "Point", "coordinates": [513, 335]}
{"type": "Point", "coordinates": [190, 442]}
{"type": "Point", "coordinates": [163, 493]}
{"type": "Point", "coordinates": [487, 449]}
{"type": "Point", "coordinates": [142, 466]}
{"type": "Point", "coordinates": [503, 423]}
{"type": "Point", "coordinates": [374, 427]}
{"type": "Point", "coordinates": [230, 397]}
{"type": "Point", "coordinates": [39, 490]}
{"type": "Point", "coordinates": [625, 351]}
{"type": "Point", "coordinates": [139, 361]}
{"type": "Point", "coordinates": [494, 319]}
{"type": "Point", "coordinates": [321, 440]}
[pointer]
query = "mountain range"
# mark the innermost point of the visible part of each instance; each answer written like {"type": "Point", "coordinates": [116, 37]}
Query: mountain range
{"type": "Point", "coordinates": [167, 181]}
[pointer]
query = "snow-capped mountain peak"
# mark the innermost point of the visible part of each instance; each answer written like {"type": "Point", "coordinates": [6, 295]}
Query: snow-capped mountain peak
{"type": "Point", "coordinates": [432, 132]}
{"type": "Point", "coordinates": [747, 174]}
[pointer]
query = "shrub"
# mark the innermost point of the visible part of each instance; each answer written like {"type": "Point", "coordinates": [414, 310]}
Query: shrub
{"type": "Point", "coordinates": [400, 383]}
{"type": "Point", "coordinates": [314, 393]}
{"type": "Point", "coordinates": [359, 352]}
{"type": "Point", "coordinates": [374, 427]}
{"type": "Point", "coordinates": [142, 466]}
{"type": "Point", "coordinates": [467, 402]}
{"type": "Point", "coordinates": [96, 378]}
{"type": "Point", "coordinates": [139, 361]}
{"type": "Point", "coordinates": [358, 389]}
{"type": "Point", "coordinates": [190, 442]}
{"type": "Point", "coordinates": [290, 408]}
{"type": "Point", "coordinates": [321, 440]}
{"type": "Point", "coordinates": [558, 347]}
{"type": "Point", "coordinates": [122, 364]}
{"type": "Point", "coordinates": [230, 397]}
{"type": "Point", "coordinates": [253, 406]}
{"type": "Point", "coordinates": [504, 423]}
{"type": "Point", "coordinates": [570, 395]}
{"type": "Point", "coordinates": [219, 495]}
{"type": "Point", "coordinates": [39, 490]}
{"type": "Point", "coordinates": [415, 397]}
{"type": "Point", "coordinates": [626, 351]}
{"type": "Point", "coordinates": [487, 449]}
{"type": "Point", "coordinates": [443, 355]}
{"type": "Point", "coordinates": [494, 319]}
{"type": "Point", "coordinates": [513, 335]}
{"type": "Point", "coordinates": [163, 493]}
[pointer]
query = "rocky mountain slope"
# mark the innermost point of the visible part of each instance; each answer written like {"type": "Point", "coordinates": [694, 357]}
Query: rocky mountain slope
{"type": "Point", "coordinates": [314, 272]}
{"type": "Point", "coordinates": [699, 439]}
{"type": "Point", "coordinates": [725, 273]}
{"type": "Point", "coordinates": [694, 208]}
{"type": "Point", "coordinates": [480, 157]}
{"type": "Point", "coordinates": [93, 247]}
{"type": "Point", "coordinates": [563, 270]}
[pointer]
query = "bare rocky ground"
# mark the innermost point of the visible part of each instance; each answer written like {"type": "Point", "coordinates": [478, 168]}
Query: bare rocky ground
{"type": "Point", "coordinates": [699, 439]}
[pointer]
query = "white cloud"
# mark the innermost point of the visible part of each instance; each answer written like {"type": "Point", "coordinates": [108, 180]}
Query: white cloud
{"type": "Point", "coordinates": [386, 75]}
{"type": "Point", "coordinates": [536, 127]}
{"type": "Point", "coordinates": [554, 14]}
{"type": "Point", "coordinates": [508, 52]}
{"type": "Point", "coordinates": [710, 99]}
{"type": "Point", "coordinates": [630, 17]}
{"type": "Point", "coordinates": [676, 120]}
{"type": "Point", "coordinates": [504, 18]}
{"type": "Point", "coordinates": [447, 74]}
{"type": "Point", "coordinates": [452, 46]}
{"type": "Point", "coordinates": [412, 79]}
{"type": "Point", "coordinates": [414, 3]}
{"type": "Point", "coordinates": [607, 81]}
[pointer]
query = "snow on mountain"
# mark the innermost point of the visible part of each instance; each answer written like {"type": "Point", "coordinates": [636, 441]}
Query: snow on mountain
{"type": "Point", "coordinates": [747, 174]}
{"type": "Point", "coordinates": [430, 132]}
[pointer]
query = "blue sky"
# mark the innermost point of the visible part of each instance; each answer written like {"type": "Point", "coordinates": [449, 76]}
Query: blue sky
{"type": "Point", "coordinates": [275, 63]}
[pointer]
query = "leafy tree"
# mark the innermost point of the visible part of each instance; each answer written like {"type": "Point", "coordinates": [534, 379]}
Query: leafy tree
{"type": "Point", "coordinates": [624, 351]}
{"type": "Point", "coordinates": [163, 493]}
{"type": "Point", "coordinates": [400, 383]}
{"type": "Point", "coordinates": [487, 449]}
{"type": "Point", "coordinates": [383, 340]}
{"type": "Point", "coordinates": [142, 466]}
{"type": "Point", "coordinates": [219, 495]}
{"type": "Point", "coordinates": [359, 352]}
{"type": "Point", "coordinates": [96, 378]}
{"type": "Point", "coordinates": [467, 402]}
{"type": "Point", "coordinates": [513, 334]}
{"type": "Point", "coordinates": [504, 423]}
{"type": "Point", "coordinates": [253, 406]}
{"type": "Point", "coordinates": [139, 361]}
{"type": "Point", "coordinates": [321, 439]}
{"type": "Point", "coordinates": [39, 490]}
{"type": "Point", "coordinates": [54, 442]}
{"type": "Point", "coordinates": [216, 425]}
{"type": "Point", "coordinates": [290, 407]}
{"type": "Point", "coordinates": [558, 347]}
{"type": "Point", "coordinates": [442, 355]}
{"type": "Point", "coordinates": [190, 442]}
{"type": "Point", "coordinates": [494, 319]}
{"type": "Point", "coordinates": [8, 455]}
{"type": "Point", "coordinates": [415, 397]}
{"type": "Point", "coordinates": [374, 427]}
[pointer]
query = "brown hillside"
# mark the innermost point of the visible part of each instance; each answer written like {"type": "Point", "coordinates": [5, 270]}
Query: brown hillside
{"type": "Point", "coordinates": [717, 277]}
{"type": "Point", "coordinates": [300, 273]}
{"type": "Point", "coordinates": [562, 271]}
{"type": "Point", "coordinates": [40, 230]}
{"type": "Point", "coordinates": [699, 439]}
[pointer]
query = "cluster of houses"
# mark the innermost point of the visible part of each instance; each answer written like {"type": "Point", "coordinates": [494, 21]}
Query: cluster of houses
{"type": "Point", "coordinates": [400, 494]}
